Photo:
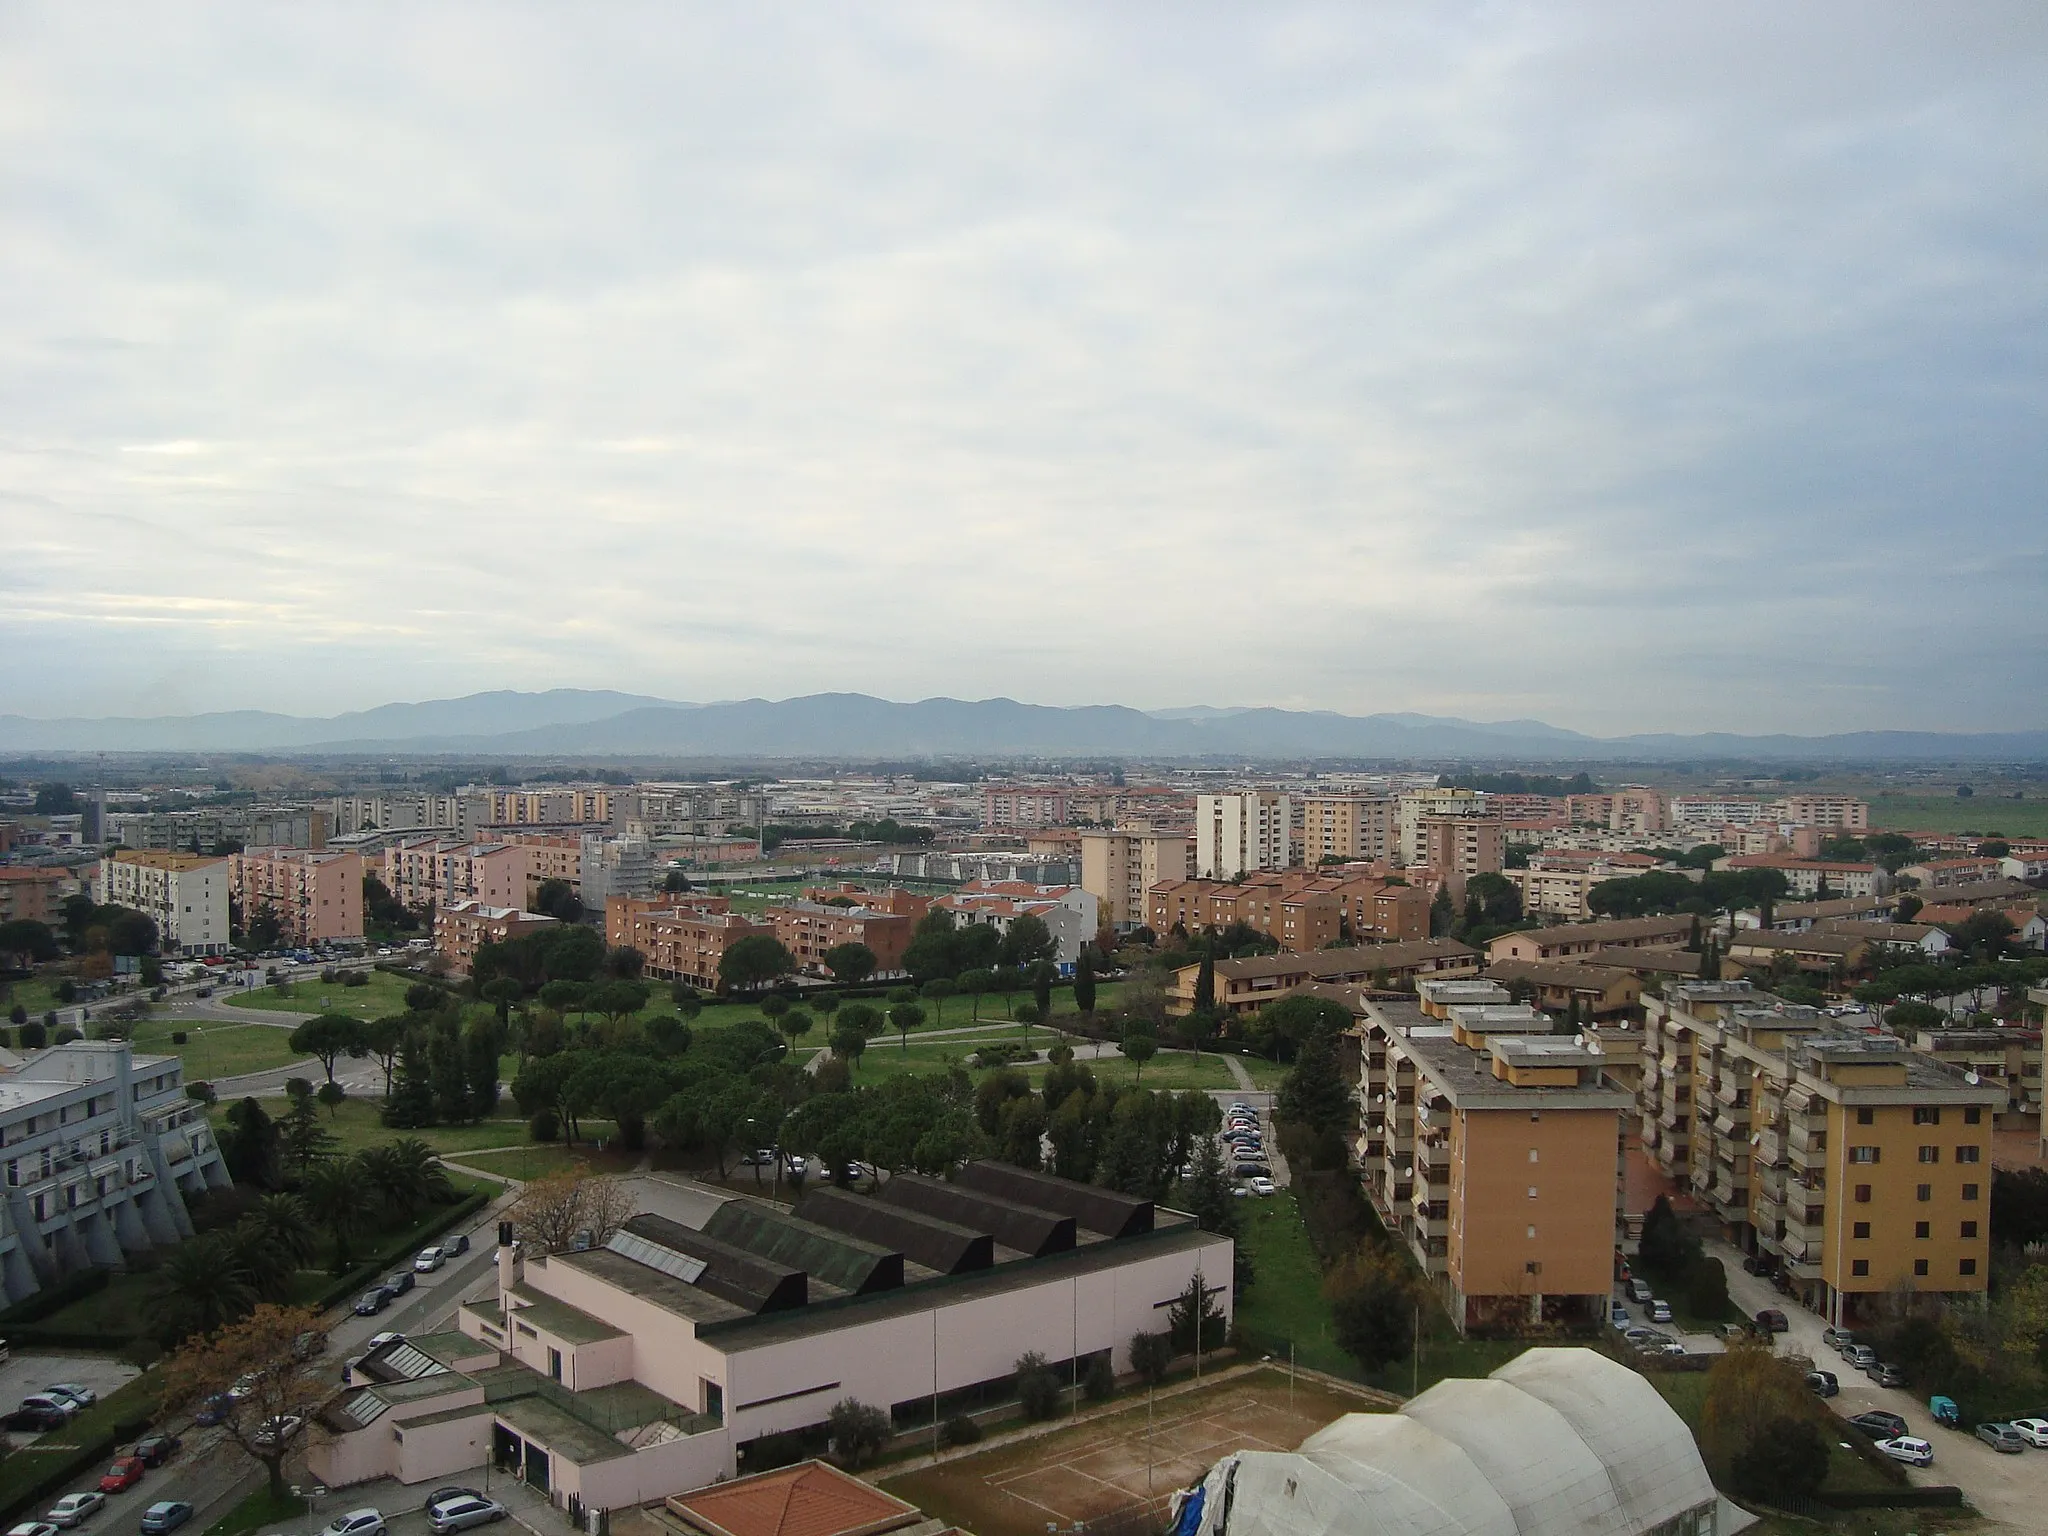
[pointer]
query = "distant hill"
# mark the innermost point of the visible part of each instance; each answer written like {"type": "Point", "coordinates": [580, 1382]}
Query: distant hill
{"type": "Point", "coordinates": [571, 721]}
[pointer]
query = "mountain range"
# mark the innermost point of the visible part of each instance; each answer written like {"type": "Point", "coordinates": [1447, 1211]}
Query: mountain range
{"type": "Point", "coordinates": [571, 722]}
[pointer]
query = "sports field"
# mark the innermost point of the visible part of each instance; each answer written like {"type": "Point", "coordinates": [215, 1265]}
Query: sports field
{"type": "Point", "coordinates": [1126, 1462]}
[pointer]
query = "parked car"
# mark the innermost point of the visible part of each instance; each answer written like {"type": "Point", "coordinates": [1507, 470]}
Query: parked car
{"type": "Point", "coordinates": [1617, 1315]}
{"type": "Point", "coordinates": [1860, 1355]}
{"type": "Point", "coordinates": [1837, 1339]}
{"type": "Point", "coordinates": [1771, 1320]}
{"type": "Point", "coordinates": [430, 1259]}
{"type": "Point", "coordinates": [75, 1508]}
{"type": "Point", "coordinates": [1730, 1332]}
{"type": "Point", "coordinates": [2002, 1437]}
{"type": "Point", "coordinates": [1660, 1312]}
{"type": "Point", "coordinates": [1823, 1383]}
{"type": "Point", "coordinates": [1885, 1375]}
{"type": "Point", "coordinates": [357, 1522]}
{"type": "Point", "coordinates": [33, 1528]}
{"type": "Point", "coordinates": [214, 1410]}
{"type": "Point", "coordinates": [308, 1344]}
{"type": "Point", "coordinates": [2033, 1431]}
{"type": "Point", "coordinates": [281, 1426]}
{"type": "Point", "coordinates": [165, 1516]}
{"type": "Point", "coordinates": [399, 1283]}
{"type": "Point", "coordinates": [1914, 1452]}
{"type": "Point", "coordinates": [379, 1340]}
{"type": "Point", "coordinates": [50, 1402]}
{"type": "Point", "coordinates": [35, 1420]}
{"type": "Point", "coordinates": [85, 1397]}
{"type": "Point", "coordinates": [1639, 1292]}
{"type": "Point", "coordinates": [372, 1301]}
{"type": "Point", "coordinates": [123, 1475]}
{"type": "Point", "coordinates": [455, 1245]}
{"type": "Point", "coordinates": [155, 1450]}
{"type": "Point", "coordinates": [1756, 1264]}
{"type": "Point", "coordinates": [1261, 1186]}
{"type": "Point", "coordinates": [460, 1514]}
{"type": "Point", "coordinates": [443, 1495]}
{"type": "Point", "coordinates": [1879, 1425]}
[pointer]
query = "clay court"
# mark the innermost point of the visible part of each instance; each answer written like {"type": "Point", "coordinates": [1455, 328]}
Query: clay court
{"type": "Point", "coordinates": [1112, 1465]}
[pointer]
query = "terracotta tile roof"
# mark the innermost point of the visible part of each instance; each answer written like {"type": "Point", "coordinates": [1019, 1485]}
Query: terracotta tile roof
{"type": "Point", "coordinates": [810, 1499]}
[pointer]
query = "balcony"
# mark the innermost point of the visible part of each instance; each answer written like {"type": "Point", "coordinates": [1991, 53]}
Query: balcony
{"type": "Point", "coordinates": [1770, 1148]}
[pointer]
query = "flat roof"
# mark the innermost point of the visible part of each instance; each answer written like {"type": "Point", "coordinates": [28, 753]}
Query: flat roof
{"type": "Point", "coordinates": [1466, 1077]}
{"type": "Point", "coordinates": [560, 1431]}
{"type": "Point", "coordinates": [665, 1291]}
{"type": "Point", "coordinates": [539, 1310]}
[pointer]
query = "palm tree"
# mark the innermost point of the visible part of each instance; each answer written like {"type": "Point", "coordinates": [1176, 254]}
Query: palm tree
{"type": "Point", "coordinates": [257, 1261]}
{"type": "Point", "coordinates": [404, 1174]}
{"type": "Point", "coordinates": [197, 1289]}
{"type": "Point", "coordinates": [289, 1229]}
{"type": "Point", "coordinates": [342, 1199]}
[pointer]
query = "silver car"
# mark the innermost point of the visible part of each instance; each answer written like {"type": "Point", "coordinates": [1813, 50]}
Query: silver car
{"type": "Point", "coordinates": [462, 1512]}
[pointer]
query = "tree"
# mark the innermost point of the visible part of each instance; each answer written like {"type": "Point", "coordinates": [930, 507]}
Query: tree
{"type": "Point", "coordinates": [405, 1175]}
{"type": "Point", "coordinates": [1139, 1049]}
{"type": "Point", "coordinates": [558, 899]}
{"type": "Point", "coordinates": [848, 1043]}
{"type": "Point", "coordinates": [1205, 980]}
{"type": "Point", "coordinates": [1042, 975]}
{"type": "Point", "coordinates": [480, 1041]}
{"type": "Point", "coordinates": [1195, 1302]}
{"type": "Point", "coordinates": [975, 984]}
{"type": "Point", "coordinates": [1084, 980]}
{"type": "Point", "coordinates": [305, 1140]}
{"type": "Point", "coordinates": [332, 1096]}
{"type": "Point", "coordinates": [850, 963]}
{"type": "Point", "coordinates": [279, 1391]}
{"type": "Point", "coordinates": [617, 999]}
{"type": "Point", "coordinates": [562, 996]}
{"type": "Point", "coordinates": [197, 1289]}
{"type": "Point", "coordinates": [1038, 1390]}
{"type": "Point", "coordinates": [1748, 1390]}
{"type": "Point", "coordinates": [501, 994]}
{"type": "Point", "coordinates": [25, 942]}
{"type": "Point", "coordinates": [625, 963]}
{"type": "Point", "coordinates": [1442, 915]}
{"type": "Point", "coordinates": [906, 1017]}
{"type": "Point", "coordinates": [553, 1210]}
{"type": "Point", "coordinates": [1027, 942]}
{"type": "Point", "coordinates": [794, 1025]}
{"type": "Point", "coordinates": [1784, 1465]}
{"type": "Point", "coordinates": [1314, 1093]}
{"type": "Point", "coordinates": [936, 991]}
{"type": "Point", "coordinates": [411, 1102]}
{"type": "Point", "coordinates": [751, 963]}
{"type": "Point", "coordinates": [341, 1200]}
{"type": "Point", "coordinates": [251, 1148]}
{"type": "Point", "coordinates": [1667, 1248]}
{"type": "Point", "coordinates": [858, 1430]}
{"type": "Point", "coordinates": [329, 1036]}
{"type": "Point", "coordinates": [1372, 1307]}
{"type": "Point", "coordinates": [381, 1041]}
{"type": "Point", "coordinates": [283, 1221]}
{"type": "Point", "coordinates": [1499, 898]}
{"type": "Point", "coordinates": [1152, 1356]}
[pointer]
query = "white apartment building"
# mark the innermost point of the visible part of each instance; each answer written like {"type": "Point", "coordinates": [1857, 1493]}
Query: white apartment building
{"type": "Point", "coordinates": [1244, 830]}
{"type": "Point", "coordinates": [616, 866]}
{"type": "Point", "coordinates": [1070, 913]}
{"type": "Point", "coordinates": [1841, 813]}
{"type": "Point", "coordinates": [1418, 806]}
{"type": "Point", "coordinates": [184, 894]}
{"type": "Point", "coordinates": [461, 814]}
{"type": "Point", "coordinates": [100, 1147]}
{"type": "Point", "coordinates": [1709, 811]}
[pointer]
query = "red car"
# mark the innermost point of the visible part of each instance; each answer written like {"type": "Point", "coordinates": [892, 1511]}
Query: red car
{"type": "Point", "coordinates": [124, 1474]}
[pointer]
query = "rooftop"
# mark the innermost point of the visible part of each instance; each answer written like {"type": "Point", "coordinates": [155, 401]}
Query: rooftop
{"type": "Point", "coordinates": [809, 1499]}
{"type": "Point", "coordinates": [1466, 1077]}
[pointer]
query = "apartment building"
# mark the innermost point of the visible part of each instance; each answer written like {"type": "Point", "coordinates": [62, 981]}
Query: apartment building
{"type": "Point", "coordinates": [683, 937]}
{"type": "Point", "coordinates": [1023, 805]}
{"type": "Point", "coordinates": [1594, 993]}
{"type": "Point", "coordinates": [1149, 805]}
{"type": "Point", "coordinates": [1829, 957]}
{"type": "Point", "coordinates": [549, 856]}
{"type": "Point", "coordinates": [464, 926]}
{"type": "Point", "coordinates": [559, 805]}
{"type": "Point", "coordinates": [207, 828]}
{"type": "Point", "coordinates": [1119, 866]}
{"type": "Point", "coordinates": [1459, 847]}
{"type": "Point", "coordinates": [1303, 912]}
{"type": "Point", "coordinates": [1572, 939]}
{"type": "Point", "coordinates": [1071, 915]}
{"type": "Point", "coordinates": [1490, 1147]}
{"type": "Point", "coordinates": [424, 871]}
{"type": "Point", "coordinates": [649, 1362]}
{"type": "Point", "coordinates": [1714, 811]}
{"type": "Point", "coordinates": [1939, 874]}
{"type": "Point", "coordinates": [1244, 830]}
{"type": "Point", "coordinates": [100, 1147]}
{"type": "Point", "coordinates": [615, 866]}
{"type": "Point", "coordinates": [1834, 813]}
{"type": "Point", "coordinates": [1243, 986]}
{"type": "Point", "coordinates": [810, 930]}
{"type": "Point", "coordinates": [724, 811]}
{"type": "Point", "coordinates": [1858, 1162]}
{"type": "Point", "coordinates": [35, 893]}
{"type": "Point", "coordinates": [1561, 884]}
{"type": "Point", "coordinates": [1347, 828]}
{"type": "Point", "coordinates": [184, 894]}
{"type": "Point", "coordinates": [458, 814]}
{"type": "Point", "coordinates": [317, 898]}
{"type": "Point", "coordinates": [1621, 810]}
{"type": "Point", "coordinates": [1816, 877]}
{"type": "Point", "coordinates": [2007, 1054]}
{"type": "Point", "coordinates": [1417, 805]}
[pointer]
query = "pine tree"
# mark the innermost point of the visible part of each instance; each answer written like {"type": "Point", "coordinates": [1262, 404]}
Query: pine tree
{"type": "Point", "coordinates": [1205, 980]}
{"type": "Point", "coordinates": [412, 1095]}
{"type": "Point", "coordinates": [1084, 980]}
{"type": "Point", "coordinates": [480, 1068]}
{"type": "Point", "coordinates": [445, 1071]}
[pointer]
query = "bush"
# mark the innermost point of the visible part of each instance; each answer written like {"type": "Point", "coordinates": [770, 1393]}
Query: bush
{"type": "Point", "coordinates": [203, 1093]}
{"type": "Point", "coordinates": [1151, 1356]}
{"type": "Point", "coordinates": [35, 1036]}
{"type": "Point", "coordinates": [177, 1037]}
{"type": "Point", "coordinates": [959, 1430]}
{"type": "Point", "coordinates": [1038, 1390]}
{"type": "Point", "coordinates": [1098, 1381]}
{"type": "Point", "coordinates": [859, 1430]}
{"type": "Point", "coordinates": [544, 1126]}
{"type": "Point", "coordinates": [67, 1036]}
{"type": "Point", "coordinates": [356, 979]}
{"type": "Point", "coordinates": [1784, 1465]}
{"type": "Point", "coordinates": [1706, 1289]}
{"type": "Point", "coordinates": [17, 1014]}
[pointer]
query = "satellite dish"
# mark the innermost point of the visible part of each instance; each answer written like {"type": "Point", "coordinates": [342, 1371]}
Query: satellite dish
{"type": "Point", "coordinates": [1972, 1079]}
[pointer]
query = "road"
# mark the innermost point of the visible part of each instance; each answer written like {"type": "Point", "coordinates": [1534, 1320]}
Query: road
{"type": "Point", "coordinates": [2003, 1488]}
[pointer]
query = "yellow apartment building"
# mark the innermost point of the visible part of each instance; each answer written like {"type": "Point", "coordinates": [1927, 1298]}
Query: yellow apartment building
{"type": "Point", "coordinates": [1492, 1149]}
{"type": "Point", "coordinates": [1348, 827]}
{"type": "Point", "coordinates": [1119, 866]}
{"type": "Point", "coordinates": [1857, 1162]}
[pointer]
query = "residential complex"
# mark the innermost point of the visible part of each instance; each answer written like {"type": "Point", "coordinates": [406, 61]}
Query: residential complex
{"type": "Point", "coordinates": [1420, 805]}
{"type": "Point", "coordinates": [184, 894]}
{"type": "Point", "coordinates": [1246, 830]}
{"type": "Point", "coordinates": [1245, 985]}
{"type": "Point", "coordinates": [810, 930]}
{"type": "Point", "coordinates": [213, 829]}
{"type": "Point", "coordinates": [35, 892]}
{"type": "Point", "coordinates": [101, 1147]}
{"type": "Point", "coordinates": [1118, 867]}
{"type": "Point", "coordinates": [1348, 828]}
{"type": "Point", "coordinates": [434, 871]}
{"type": "Point", "coordinates": [1491, 1147]}
{"type": "Point", "coordinates": [1860, 1163]}
{"type": "Point", "coordinates": [1816, 877]}
{"type": "Point", "coordinates": [1072, 915]}
{"type": "Point", "coordinates": [317, 898]}
{"type": "Point", "coordinates": [1299, 910]}
{"type": "Point", "coordinates": [1572, 940]}
{"type": "Point", "coordinates": [649, 1363]}
{"type": "Point", "coordinates": [463, 927]}
{"type": "Point", "coordinates": [1459, 847]}
{"type": "Point", "coordinates": [683, 937]}
{"type": "Point", "coordinates": [1023, 805]}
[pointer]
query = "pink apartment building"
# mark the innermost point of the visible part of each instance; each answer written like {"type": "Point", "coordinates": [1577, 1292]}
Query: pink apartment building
{"type": "Point", "coordinates": [317, 898]}
{"type": "Point", "coordinates": [424, 871]}
{"type": "Point", "coordinates": [645, 1365]}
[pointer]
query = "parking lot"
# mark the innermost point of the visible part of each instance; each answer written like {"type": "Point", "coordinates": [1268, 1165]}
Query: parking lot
{"type": "Point", "coordinates": [1250, 1156]}
{"type": "Point", "coordinates": [28, 1373]}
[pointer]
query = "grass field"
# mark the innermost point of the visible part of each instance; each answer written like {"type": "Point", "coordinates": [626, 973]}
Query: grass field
{"type": "Point", "coordinates": [538, 1161]}
{"type": "Point", "coordinates": [37, 995]}
{"type": "Point", "coordinates": [1134, 1457]}
{"type": "Point", "coordinates": [1847, 1472]}
{"type": "Point", "coordinates": [384, 994]}
{"type": "Point", "coordinates": [1945, 813]}
{"type": "Point", "coordinates": [355, 1125]}
{"type": "Point", "coordinates": [887, 1057]}
{"type": "Point", "coordinates": [215, 1050]}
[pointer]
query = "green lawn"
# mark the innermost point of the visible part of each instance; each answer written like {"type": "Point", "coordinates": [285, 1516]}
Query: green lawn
{"type": "Point", "coordinates": [355, 1125]}
{"type": "Point", "coordinates": [1945, 813]}
{"type": "Point", "coordinates": [1686, 1391]}
{"type": "Point", "coordinates": [38, 995]}
{"type": "Point", "coordinates": [384, 994]}
{"type": "Point", "coordinates": [214, 1050]}
{"type": "Point", "coordinates": [539, 1161]}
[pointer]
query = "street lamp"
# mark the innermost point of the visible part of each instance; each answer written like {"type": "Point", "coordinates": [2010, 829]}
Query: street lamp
{"type": "Point", "coordinates": [309, 1493]}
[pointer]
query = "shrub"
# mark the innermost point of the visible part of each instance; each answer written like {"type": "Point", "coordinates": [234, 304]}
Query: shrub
{"type": "Point", "coordinates": [177, 1037]}
{"type": "Point", "coordinates": [203, 1093]}
{"type": "Point", "coordinates": [34, 1036]}
{"type": "Point", "coordinates": [18, 1014]}
{"type": "Point", "coordinates": [1784, 1464]}
{"type": "Point", "coordinates": [960, 1430]}
{"type": "Point", "coordinates": [859, 1430]}
{"type": "Point", "coordinates": [66, 1037]}
{"type": "Point", "coordinates": [1038, 1390]}
{"type": "Point", "coordinates": [1098, 1381]}
{"type": "Point", "coordinates": [1706, 1288]}
{"type": "Point", "coordinates": [1152, 1356]}
{"type": "Point", "coordinates": [544, 1126]}
{"type": "Point", "coordinates": [356, 979]}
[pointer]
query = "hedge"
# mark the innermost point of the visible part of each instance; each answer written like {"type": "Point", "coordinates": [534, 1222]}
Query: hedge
{"type": "Point", "coordinates": [53, 1298]}
{"type": "Point", "coordinates": [361, 1277]}
{"type": "Point", "coordinates": [27, 1477]}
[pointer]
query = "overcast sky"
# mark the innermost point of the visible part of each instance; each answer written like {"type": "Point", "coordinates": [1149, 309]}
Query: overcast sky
{"type": "Point", "coordinates": [1632, 367]}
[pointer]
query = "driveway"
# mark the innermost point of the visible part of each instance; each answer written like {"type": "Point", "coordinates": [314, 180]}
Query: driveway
{"type": "Point", "coordinates": [2010, 1489]}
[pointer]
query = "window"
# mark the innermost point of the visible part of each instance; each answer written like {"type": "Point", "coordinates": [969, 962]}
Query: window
{"type": "Point", "coordinates": [1859, 1266]}
{"type": "Point", "coordinates": [1924, 1193]}
{"type": "Point", "coordinates": [1921, 1229]}
{"type": "Point", "coordinates": [1926, 1115]}
{"type": "Point", "coordinates": [1533, 1267]}
{"type": "Point", "coordinates": [1532, 1196]}
{"type": "Point", "coordinates": [1863, 1154]}
{"type": "Point", "coordinates": [1866, 1117]}
{"type": "Point", "coordinates": [1861, 1229]}
{"type": "Point", "coordinates": [1927, 1155]}
{"type": "Point", "coordinates": [1919, 1267]}
{"type": "Point", "coordinates": [1969, 1191]}
{"type": "Point", "coordinates": [1532, 1158]}
{"type": "Point", "coordinates": [1973, 1115]}
{"type": "Point", "coordinates": [1969, 1154]}
{"type": "Point", "coordinates": [1967, 1267]}
{"type": "Point", "coordinates": [555, 1364]}
{"type": "Point", "coordinates": [1969, 1229]}
{"type": "Point", "coordinates": [1532, 1230]}
{"type": "Point", "coordinates": [1863, 1194]}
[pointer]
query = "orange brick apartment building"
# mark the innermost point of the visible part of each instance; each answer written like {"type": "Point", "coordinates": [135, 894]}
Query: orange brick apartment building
{"type": "Point", "coordinates": [317, 898]}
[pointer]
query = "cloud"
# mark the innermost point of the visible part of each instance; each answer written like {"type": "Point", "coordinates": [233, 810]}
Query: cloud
{"type": "Point", "coordinates": [1634, 369]}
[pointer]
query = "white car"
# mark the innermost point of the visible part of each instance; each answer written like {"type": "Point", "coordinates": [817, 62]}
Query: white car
{"type": "Point", "coordinates": [1263, 1187]}
{"type": "Point", "coordinates": [462, 1512]}
{"type": "Point", "coordinates": [430, 1259]}
{"type": "Point", "coordinates": [1910, 1449]}
{"type": "Point", "coordinates": [75, 1507]}
{"type": "Point", "coordinates": [85, 1397]}
{"type": "Point", "coordinates": [357, 1522]}
{"type": "Point", "coordinates": [2033, 1431]}
{"type": "Point", "coordinates": [379, 1340]}
{"type": "Point", "coordinates": [278, 1427]}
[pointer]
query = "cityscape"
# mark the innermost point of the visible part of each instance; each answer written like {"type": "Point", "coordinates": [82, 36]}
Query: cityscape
{"type": "Point", "coordinates": [1017, 770]}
